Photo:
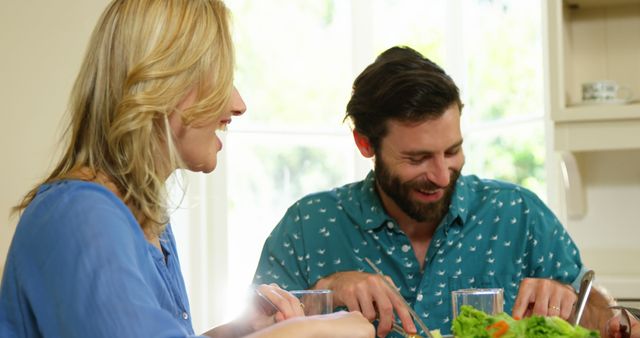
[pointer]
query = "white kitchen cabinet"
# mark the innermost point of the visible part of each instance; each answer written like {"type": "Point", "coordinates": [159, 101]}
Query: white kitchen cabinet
{"type": "Point", "coordinates": [598, 146]}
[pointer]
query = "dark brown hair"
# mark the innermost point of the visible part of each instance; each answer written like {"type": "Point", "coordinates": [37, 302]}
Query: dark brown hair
{"type": "Point", "coordinates": [402, 85]}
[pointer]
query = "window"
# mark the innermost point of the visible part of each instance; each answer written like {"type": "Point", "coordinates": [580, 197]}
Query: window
{"type": "Point", "coordinates": [503, 118]}
{"type": "Point", "coordinates": [296, 62]}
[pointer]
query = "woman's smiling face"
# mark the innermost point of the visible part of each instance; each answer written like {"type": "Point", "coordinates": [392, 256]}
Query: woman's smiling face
{"type": "Point", "coordinates": [197, 143]}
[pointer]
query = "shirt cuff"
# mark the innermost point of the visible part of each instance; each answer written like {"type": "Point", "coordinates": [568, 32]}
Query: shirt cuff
{"type": "Point", "coordinates": [576, 283]}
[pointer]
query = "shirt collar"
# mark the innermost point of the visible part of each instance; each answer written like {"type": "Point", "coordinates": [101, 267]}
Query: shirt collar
{"type": "Point", "coordinates": [458, 208]}
{"type": "Point", "coordinates": [360, 201]}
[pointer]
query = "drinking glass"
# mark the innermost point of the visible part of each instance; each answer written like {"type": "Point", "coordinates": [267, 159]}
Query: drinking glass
{"type": "Point", "coordinates": [490, 301]}
{"type": "Point", "coordinates": [315, 302]}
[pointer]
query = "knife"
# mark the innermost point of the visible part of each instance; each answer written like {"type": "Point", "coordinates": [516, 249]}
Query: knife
{"type": "Point", "coordinates": [583, 295]}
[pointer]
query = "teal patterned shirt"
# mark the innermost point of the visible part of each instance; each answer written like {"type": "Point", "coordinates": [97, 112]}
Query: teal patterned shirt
{"type": "Point", "coordinates": [494, 235]}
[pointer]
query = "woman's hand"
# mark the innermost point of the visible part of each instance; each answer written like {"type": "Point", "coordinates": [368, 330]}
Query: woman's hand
{"type": "Point", "coordinates": [261, 314]}
{"type": "Point", "coordinates": [340, 324]}
{"type": "Point", "coordinates": [334, 325]}
{"type": "Point", "coordinates": [343, 325]}
{"type": "Point", "coordinates": [288, 306]}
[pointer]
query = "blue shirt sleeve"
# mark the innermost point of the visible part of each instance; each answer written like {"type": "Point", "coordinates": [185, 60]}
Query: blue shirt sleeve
{"type": "Point", "coordinates": [80, 267]}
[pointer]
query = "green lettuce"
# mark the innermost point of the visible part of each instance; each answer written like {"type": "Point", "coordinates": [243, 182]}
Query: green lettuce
{"type": "Point", "coordinates": [477, 324]}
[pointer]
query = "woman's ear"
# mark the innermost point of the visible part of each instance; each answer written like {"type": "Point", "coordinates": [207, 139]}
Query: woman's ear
{"type": "Point", "coordinates": [362, 142]}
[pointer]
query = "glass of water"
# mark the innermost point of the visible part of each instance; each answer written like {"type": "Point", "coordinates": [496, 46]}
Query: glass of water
{"type": "Point", "coordinates": [490, 301]}
{"type": "Point", "coordinates": [315, 302]}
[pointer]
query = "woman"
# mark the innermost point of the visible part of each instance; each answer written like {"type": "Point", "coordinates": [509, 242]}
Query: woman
{"type": "Point", "coordinates": [93, 254]}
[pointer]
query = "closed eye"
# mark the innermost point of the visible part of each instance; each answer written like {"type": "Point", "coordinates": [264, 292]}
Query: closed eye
{"type": "Point", "coordinates": [453, 152]}
{"type": "Point", "coordinates": [417, 159]}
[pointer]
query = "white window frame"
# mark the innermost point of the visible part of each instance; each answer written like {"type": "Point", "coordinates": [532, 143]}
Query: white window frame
{"type": "Point", "coordinates": [203, 234]}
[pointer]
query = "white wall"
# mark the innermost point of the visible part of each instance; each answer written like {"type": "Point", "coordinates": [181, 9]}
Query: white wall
{"type": "Point", "coordinates": [609, 232]}
{"type": "Point", "coordinates": [42, 43]}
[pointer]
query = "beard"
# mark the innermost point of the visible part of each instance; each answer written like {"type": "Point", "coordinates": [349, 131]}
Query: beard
{"type": "Point", "coordinates": [400, 193]}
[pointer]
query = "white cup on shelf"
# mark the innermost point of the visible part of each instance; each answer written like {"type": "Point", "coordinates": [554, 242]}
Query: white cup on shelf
{"type": "Point", "coordinates": [605, 91]}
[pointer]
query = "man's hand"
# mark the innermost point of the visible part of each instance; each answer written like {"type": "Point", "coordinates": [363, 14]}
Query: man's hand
{"type": "Point", "coordinates": [544, 297]}
{"type": "Point", "coordinates": [367, 293]}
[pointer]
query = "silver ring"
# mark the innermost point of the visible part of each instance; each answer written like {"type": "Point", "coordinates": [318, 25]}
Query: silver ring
{"type": "Point", "coordinates": [553, 307]}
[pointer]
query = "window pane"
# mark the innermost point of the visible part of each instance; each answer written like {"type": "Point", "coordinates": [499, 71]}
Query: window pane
{"type": "Point", "coordinates": [293, 60]}
{"type": "Point", "coordinates": [504, 102]}
{"type": "Point", "coordinates": [504, 58]}
{"type": "Point", "coordinates": [269, 172]}
{"type": "Point", "coordinates": [416, 23]}
{"type": "Point", "coordinates": [294, 71]}
{"type": "Point", "coordinates": [511, 153]}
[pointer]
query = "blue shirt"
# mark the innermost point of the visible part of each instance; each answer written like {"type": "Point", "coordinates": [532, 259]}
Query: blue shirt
{"type": "Point", "coordinates": [80, 266]}
{"type": "Point", "coordinates": [494, 235]}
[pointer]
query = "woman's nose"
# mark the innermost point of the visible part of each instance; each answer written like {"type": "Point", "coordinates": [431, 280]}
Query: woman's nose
{"type": "Point", "coordinates": [237, 104]}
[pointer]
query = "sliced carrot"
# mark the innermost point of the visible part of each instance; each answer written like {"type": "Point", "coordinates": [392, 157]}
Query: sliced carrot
{"type": "Point", "coordinates": [498, 328]}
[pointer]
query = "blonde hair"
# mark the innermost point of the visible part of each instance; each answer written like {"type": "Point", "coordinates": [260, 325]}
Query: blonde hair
{"type": "Point", "coordinates": [143, 58]}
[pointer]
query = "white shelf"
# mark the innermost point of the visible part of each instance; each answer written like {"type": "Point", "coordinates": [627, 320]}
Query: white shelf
{"type": "Point", "coordinates": [600, 3]}
{"type": "Point", "coordinates": [581, 113]}
{"type": "Point", "coordinates": [597, 135]}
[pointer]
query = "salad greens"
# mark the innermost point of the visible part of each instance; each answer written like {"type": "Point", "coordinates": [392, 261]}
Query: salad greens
{"type": "Point", "coordinates": [475, 323]}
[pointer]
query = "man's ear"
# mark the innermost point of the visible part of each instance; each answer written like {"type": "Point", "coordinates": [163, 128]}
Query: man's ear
{"type": "Point", "coordinates": [362, 142]}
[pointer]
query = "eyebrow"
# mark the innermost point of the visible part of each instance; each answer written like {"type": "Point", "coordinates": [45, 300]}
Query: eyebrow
{"type": "Point", "coordinates": [423, 152]}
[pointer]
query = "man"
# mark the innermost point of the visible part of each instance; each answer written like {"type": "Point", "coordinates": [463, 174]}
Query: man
{"type": "Point", "coordinates": [430, 229]}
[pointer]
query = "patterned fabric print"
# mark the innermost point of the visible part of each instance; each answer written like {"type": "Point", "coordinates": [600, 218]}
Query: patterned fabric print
{"type": "Point", "coordinates": [494, 235]}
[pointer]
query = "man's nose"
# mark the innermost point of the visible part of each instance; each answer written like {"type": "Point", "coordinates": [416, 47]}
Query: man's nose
{"type": "Point", "coordinates": [438, 172]}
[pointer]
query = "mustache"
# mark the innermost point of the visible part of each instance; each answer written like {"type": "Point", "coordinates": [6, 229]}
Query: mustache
{"type": "Point", "coordinates": [425, 184]}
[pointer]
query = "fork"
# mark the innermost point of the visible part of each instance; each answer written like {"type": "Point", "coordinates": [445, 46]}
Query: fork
{"type": "Point", "coordinates": [413, 314]}
{"type": "Point", "coordinates": [583, 295]}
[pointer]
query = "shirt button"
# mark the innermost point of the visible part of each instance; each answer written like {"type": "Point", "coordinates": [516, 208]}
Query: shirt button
{"type": "Point", "coordinates": [185, 316]}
